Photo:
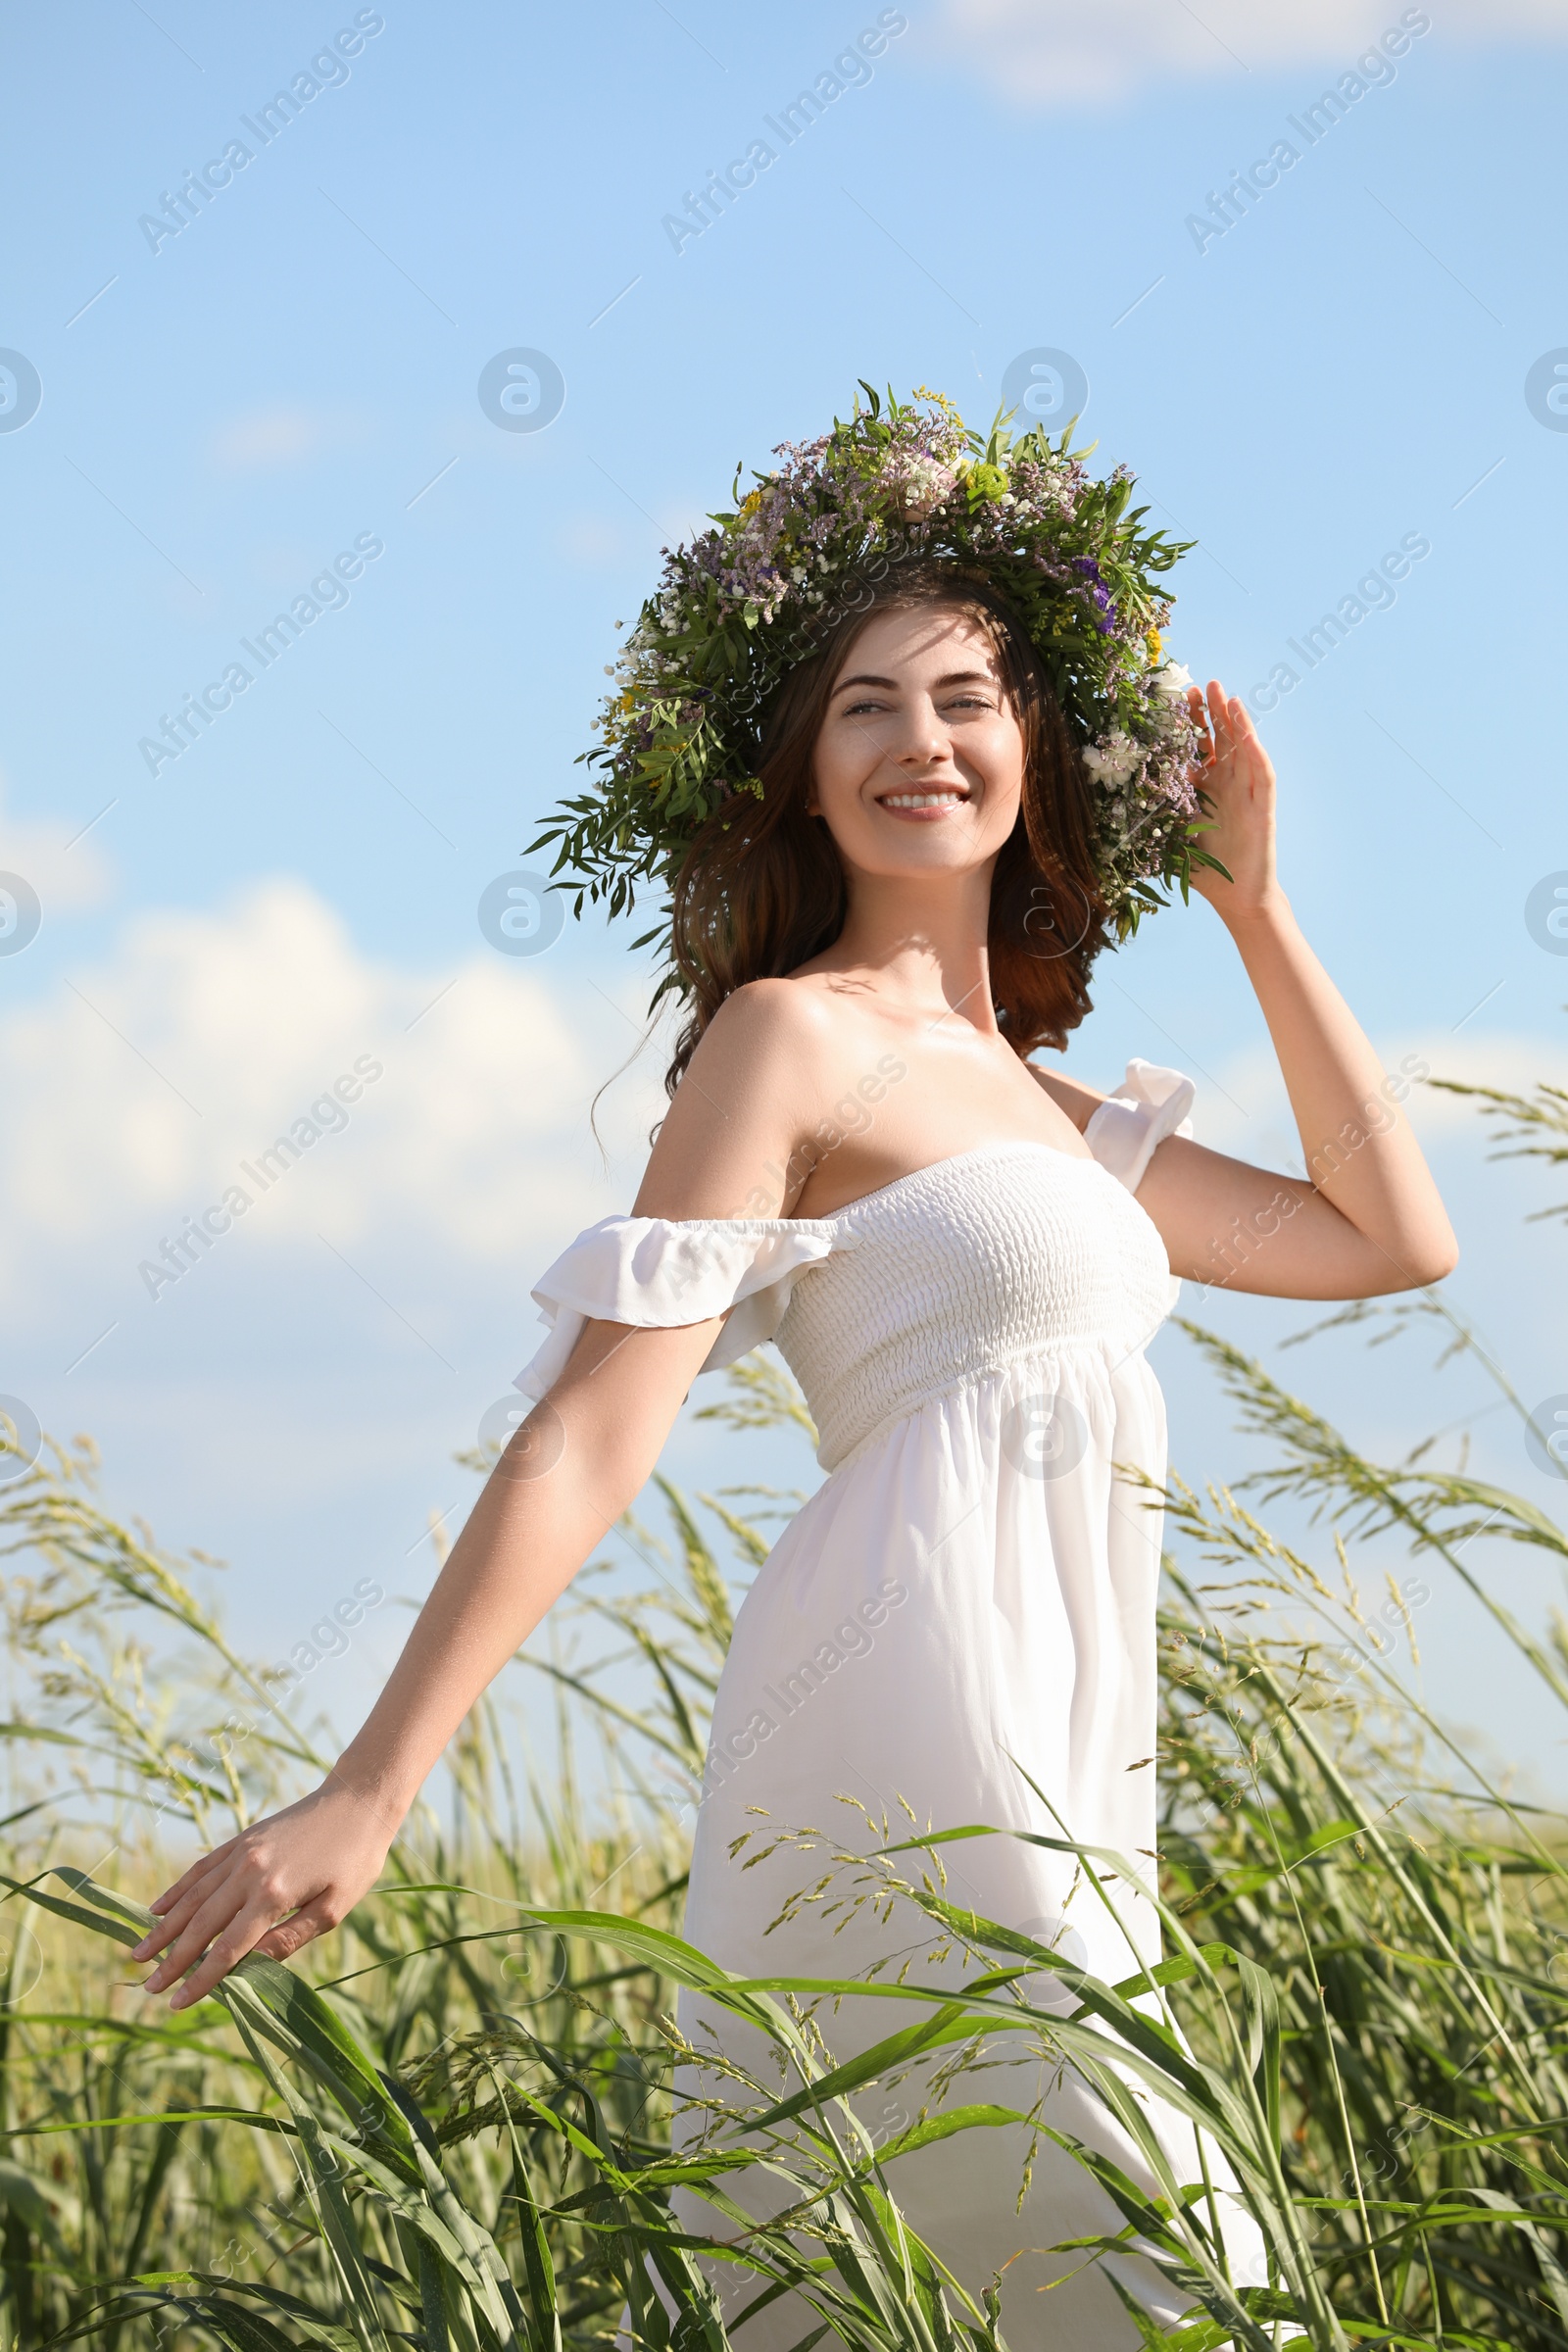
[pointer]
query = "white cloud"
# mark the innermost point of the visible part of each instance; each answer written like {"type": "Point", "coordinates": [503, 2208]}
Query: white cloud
{"type": "Point", "coordinates": [1060, 52]}
{"type": "Point", "coordinates": [264, 438]}
{"type": "Point", "coordinates": [64, 864]}
{"type": "Point", "coordinates": [134, 1091]}
{"type": "Point", "coordinates": [1515, 1065]}
{"type": "Point", "coordinates": [1245, 1109]}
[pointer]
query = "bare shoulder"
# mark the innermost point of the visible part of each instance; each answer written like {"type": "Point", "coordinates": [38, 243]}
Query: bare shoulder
{"type": "Point", "coordinates": [779, 1019]}
{"type": "Point", "coordinates": [770, 1040]}
{"type": "Point", "coordinates": [1079, 1101]}
{"type": "Point", "coordinates": [742, 1106]}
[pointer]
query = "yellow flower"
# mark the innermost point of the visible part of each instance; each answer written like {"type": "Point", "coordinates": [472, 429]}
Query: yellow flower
{"type": "Point", "coordinates": [938, 398]}
{"type": "Point", "coordinates": [1155, 648]}
{"type": "Point", "coordinates": [750, 502]}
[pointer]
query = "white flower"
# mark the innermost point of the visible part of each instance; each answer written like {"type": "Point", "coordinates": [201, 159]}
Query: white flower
{"type": "Point", "coordinates": [1116, 759]}
{"type": "Point", "coordinates": [922, 484]}
{"type": "Point", "coordinates": [1171, 678]}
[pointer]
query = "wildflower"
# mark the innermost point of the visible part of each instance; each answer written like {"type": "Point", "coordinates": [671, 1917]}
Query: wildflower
{"type": "Point", "coordinates": [1115, 758]}
{"type": "Point", "coordinates": [985, 481]}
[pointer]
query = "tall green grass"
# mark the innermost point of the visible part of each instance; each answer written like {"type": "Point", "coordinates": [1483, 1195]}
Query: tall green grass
{"type": "Point", "coordinates": [449, 2124]}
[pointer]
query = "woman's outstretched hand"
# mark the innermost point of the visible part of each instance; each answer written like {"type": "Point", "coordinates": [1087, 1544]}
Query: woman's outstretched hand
{"type": "Point", "coordinates": [270, 1889]}
{"type": "Point", "coordinates": [1238, 776]}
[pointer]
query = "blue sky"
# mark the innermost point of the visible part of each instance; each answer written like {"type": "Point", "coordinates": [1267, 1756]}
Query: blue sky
{"type": "Point", "coordinates": [296, 372]}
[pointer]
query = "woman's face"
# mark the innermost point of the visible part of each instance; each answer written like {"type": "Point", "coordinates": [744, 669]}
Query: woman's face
{"type": "Point", "coordinates": [918, 766]}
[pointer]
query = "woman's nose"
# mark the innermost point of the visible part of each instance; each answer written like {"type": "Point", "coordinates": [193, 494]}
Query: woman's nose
{"type": "Point", "coordinates": [921, 737]}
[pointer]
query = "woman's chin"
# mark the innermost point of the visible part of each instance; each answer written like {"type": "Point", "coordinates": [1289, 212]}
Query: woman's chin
{"type": "Point", "coordinates": [927, 860]}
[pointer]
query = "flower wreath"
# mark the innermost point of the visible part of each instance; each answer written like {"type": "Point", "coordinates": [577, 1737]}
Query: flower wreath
{"type": "Point", "coordinates": [738, 606]}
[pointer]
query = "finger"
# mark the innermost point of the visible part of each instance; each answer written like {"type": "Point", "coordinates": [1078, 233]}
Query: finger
{"type": "Point", "coordinates": [1218, 710]}
{"type": "Point", "coordinates": [226, 1951]}
{"type": "Point", "coordinates": [198, 1869]}
{"type": "Point", "coordinates": [316, 1918]}
{"type": "Point", "coordinates": [174, 1919]}
{"type": "Point", "coordinates": [241, 1888]}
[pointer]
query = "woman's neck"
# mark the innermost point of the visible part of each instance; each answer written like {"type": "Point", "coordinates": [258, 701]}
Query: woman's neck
{"type": "Point", "coordinates": [923, 944]}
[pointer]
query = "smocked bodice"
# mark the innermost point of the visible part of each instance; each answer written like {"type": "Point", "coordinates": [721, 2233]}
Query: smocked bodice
{"type": "Point", "coordinates": [972, 1265]}
{"type": "Point", "coordinates": [969, 1266]}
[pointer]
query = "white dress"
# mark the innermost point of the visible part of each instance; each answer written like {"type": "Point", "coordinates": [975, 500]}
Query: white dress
{"type": "Point", "coordinates": [964, 1606]}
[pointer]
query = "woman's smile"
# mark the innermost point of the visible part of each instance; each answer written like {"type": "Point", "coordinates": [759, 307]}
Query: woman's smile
{"type": "Point", "coordinates": [923, 803]}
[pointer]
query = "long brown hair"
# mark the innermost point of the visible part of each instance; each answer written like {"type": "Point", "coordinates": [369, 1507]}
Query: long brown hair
{"type": "Point", "coordinates": [762, 890]}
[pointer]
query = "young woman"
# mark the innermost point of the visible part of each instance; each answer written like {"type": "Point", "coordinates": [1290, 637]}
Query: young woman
{"type": "Point", "coordinates": [962, 1255]}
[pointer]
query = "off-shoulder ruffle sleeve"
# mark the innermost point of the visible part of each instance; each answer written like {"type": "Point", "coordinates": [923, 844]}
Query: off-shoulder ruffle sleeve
{"type": "Point", "coordinates": [656, 1274]}
{"type": "Point", "coordinates": [1149, 1103]}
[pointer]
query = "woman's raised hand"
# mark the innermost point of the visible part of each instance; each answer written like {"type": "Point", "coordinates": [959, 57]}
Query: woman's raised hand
{"type": "Point", "coordinates": [270, 1889]}
{"type": "Point", "coordinates": [1238, 776]}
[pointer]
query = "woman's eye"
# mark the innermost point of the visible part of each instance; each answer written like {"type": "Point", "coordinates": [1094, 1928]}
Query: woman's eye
{"type": "Point", "coordinates": [957, 702]}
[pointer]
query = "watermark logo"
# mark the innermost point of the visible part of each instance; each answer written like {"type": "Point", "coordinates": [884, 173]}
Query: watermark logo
{"type": "Point", "coordinates": [499, 1422]}
{"type": "Point", "coordinates": [21, 913]}
{"type": "Point", "coordinates": [1546, 1435]}
{"type": "Point", "coordinates": [536, 1445]}
{"type": "Point", "coordinates": [21, 1441]}
{"type": "Point", "coordinates": [21, 1964]}
{"type": "Point", "coordinates": [327, 1115]}
{"type": "Point", "coordinates": [851, 69]}
{"type": "Point", "coordinates": [21, 391]}
{"type": "Point", "coordinates": [890, 2122]}
{"type": "Point", "coordinates": [521, 390]}
{"type": "Point", "coordinates": [1044, 1436]}
{"type": "Point", "coordinates": [1057, 921]}
{"type": "Point", "coordinates": [533, 1972]}
{"type": "Point", "coordinates": [327, 593]}
{"type": "Point", "coordinates": [793, 1687]}
{"type": "Point", "coordinates": [849, 1116]}
{"type": "Point", "coordinates": [1045, 387]}
{"type": "Point", "coordinates": [1373, 70]}
{"type": "Point", "coordinates": [327, 1639]}
{"type": "Point", "coordinates": [1374, 592]}
{"type": "Point", "coordinates": [1546, 913]}
{"type": "Point", "coordinates": [1060, 1937]}
{"type": "Point", "coordinates": [1545, 390]}
{"type": "Point", "coordinates": [327, 70]}
{"type": "Point", "coordinates": [521, 914]}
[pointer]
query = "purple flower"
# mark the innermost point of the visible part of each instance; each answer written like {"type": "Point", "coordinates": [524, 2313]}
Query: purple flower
{"type": "Point", "coordinates": [1100, 594]}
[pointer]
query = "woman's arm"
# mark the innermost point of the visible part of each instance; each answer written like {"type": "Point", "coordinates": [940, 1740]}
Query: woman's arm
{"type": "Point", "coordinates": [574, 1466]}
{"type": "Point", "coordinates": [1368, 1219]}
{"type": "Point", "coordinates": [565, 1479]}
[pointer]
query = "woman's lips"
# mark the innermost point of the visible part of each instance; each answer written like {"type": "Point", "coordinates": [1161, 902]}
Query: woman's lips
{"type": "Point", "coordinates": [923, 803]}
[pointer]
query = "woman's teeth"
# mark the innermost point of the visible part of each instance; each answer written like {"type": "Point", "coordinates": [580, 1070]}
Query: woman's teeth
{"type": "Point", "coordinates": [924, 800]}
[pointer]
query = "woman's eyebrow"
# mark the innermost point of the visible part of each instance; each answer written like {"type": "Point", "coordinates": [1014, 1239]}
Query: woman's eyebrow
{"type": "Point", "coordinates": [953, 677]}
